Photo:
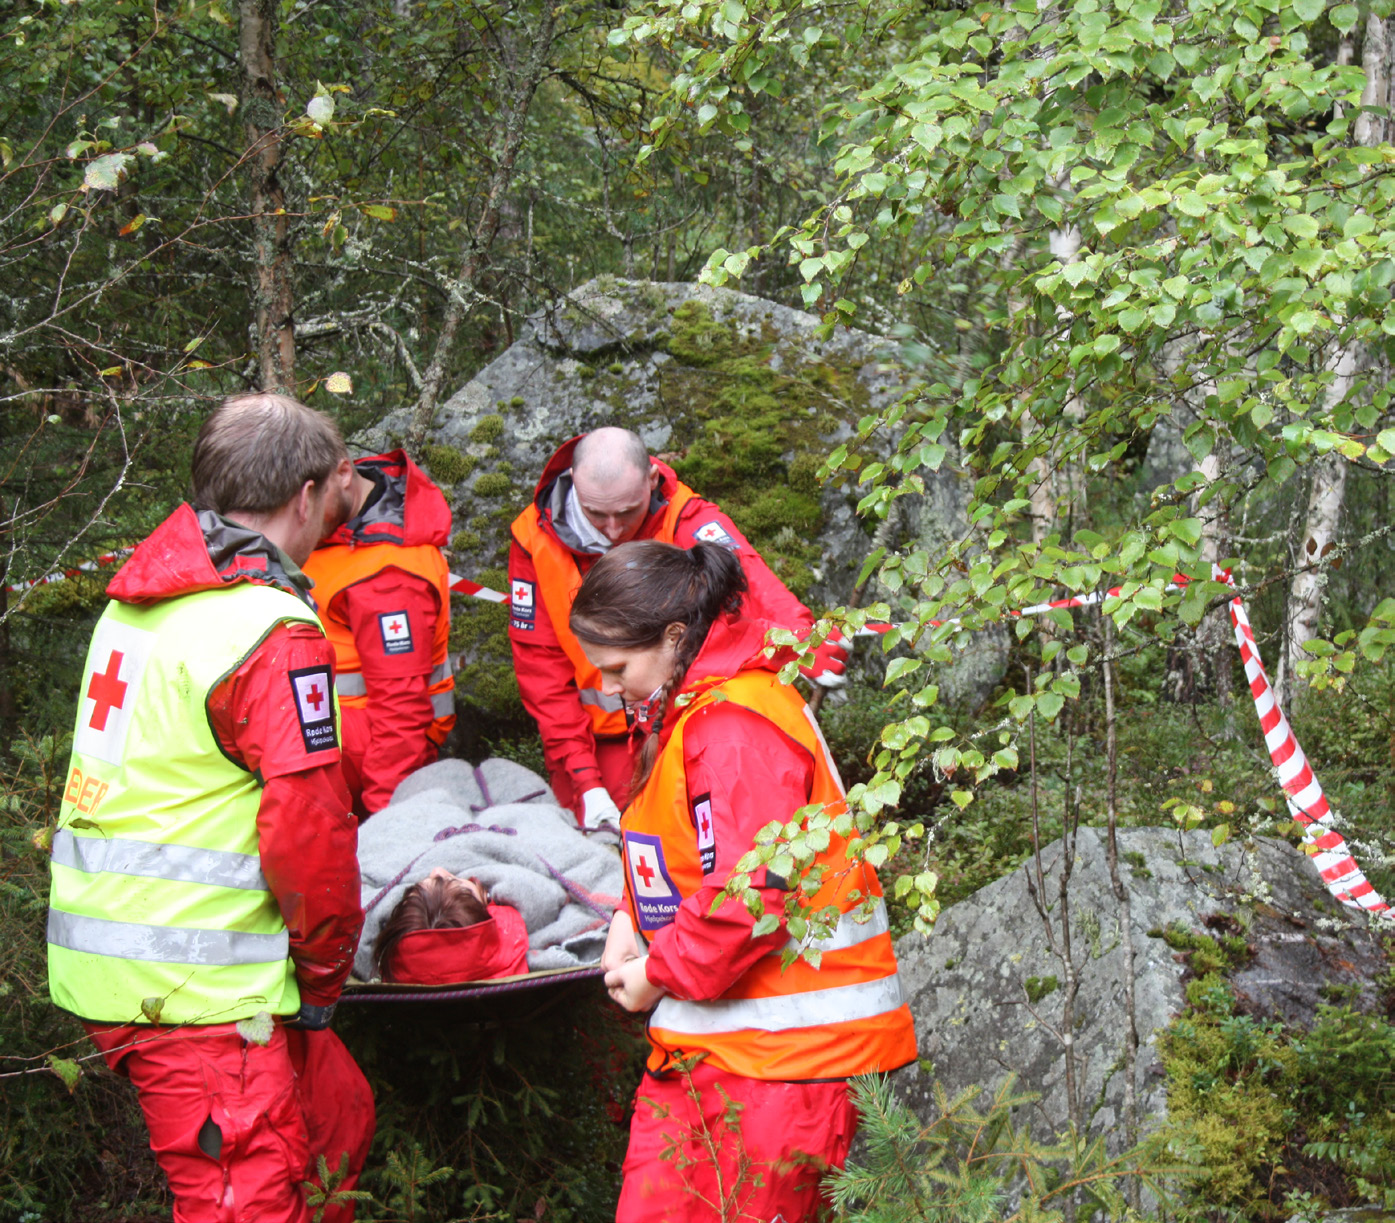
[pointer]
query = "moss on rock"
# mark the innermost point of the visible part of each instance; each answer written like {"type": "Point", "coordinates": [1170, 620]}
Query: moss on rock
{"type": "Point", "coordinates": [447, 465]}
{"type": "Point", "coordinates": [493, 484]}
{"type": "Point", "coordinates": [488, 428]}
{"type": "Point", "coordinates": [754, 432]}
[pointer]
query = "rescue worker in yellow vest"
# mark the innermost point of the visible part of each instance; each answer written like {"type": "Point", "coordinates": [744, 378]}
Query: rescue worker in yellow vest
{"type": "Point", "coordinates": [383, 590]}
{"type": "Point", "coordinates": [204, 908]}
{"type": "Point", "coordinates": [597, 491]}
{"type": "Point", "coordinates": [727, 749]}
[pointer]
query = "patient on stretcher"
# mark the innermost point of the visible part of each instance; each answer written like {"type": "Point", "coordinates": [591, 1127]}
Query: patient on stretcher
{"type": "Point", "coordinates": [444, 930]}
{"type": "Point", "coordinates": [474, 872]}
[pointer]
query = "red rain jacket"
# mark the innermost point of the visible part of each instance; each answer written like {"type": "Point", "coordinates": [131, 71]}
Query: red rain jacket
{"type": "Point", "coordinates": [752, 773]}
{"type": "Point", "coordinates": [545, 673]}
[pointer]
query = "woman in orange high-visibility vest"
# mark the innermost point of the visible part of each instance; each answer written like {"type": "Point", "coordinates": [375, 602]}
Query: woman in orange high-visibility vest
{"type": "Point", "coordinates": [728, 750]}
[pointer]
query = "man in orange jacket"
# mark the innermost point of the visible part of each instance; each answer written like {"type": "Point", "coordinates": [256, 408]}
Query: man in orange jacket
{"type": "Point", "coordinates": [383, 591]}
{"type": "Point", "coordinates": [599, 490]}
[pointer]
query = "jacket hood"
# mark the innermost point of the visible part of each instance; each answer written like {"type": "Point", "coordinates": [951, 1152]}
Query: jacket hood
{"type": "Point", "coordinates": [192, 551]}
{"type": "Point", "coordinates": [734, 643]}
{"type": "Point", "coordinates": [410, 511]}
{"type": "Point", "coordinates": [555, 484]}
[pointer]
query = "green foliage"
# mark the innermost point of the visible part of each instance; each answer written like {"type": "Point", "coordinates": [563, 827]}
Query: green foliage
{"type": "Point", "coordinates": [73, 1144]}
{"type": "Point", "coordinates": [497, 1110]}
{"type": "Point", "coordinates": [1268, 1114]}
{"type": "Point", "coordinates": [972, 1165]}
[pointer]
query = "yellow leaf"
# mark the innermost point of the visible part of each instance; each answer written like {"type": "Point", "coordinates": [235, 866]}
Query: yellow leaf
{"type": "Point", "coordinates": [339, 383]}
{"type": "Point", "coordinates": [132, 225]}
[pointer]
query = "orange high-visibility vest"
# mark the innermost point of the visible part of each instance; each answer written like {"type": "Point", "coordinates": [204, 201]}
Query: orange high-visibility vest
{"type": "Point", "coordinates": [559, 578]}
{"type": "Point", "coordinates": [335, 567]}
{"type": "Point", "coordinates": [845, 1017]}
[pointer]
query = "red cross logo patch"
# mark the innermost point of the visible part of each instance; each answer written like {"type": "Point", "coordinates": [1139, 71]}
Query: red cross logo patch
{"type": "Point", "coordinates": [314, 707]}
{"type": "Point", "coordinates": [656, 899]}
{"type": "Point", "coordinates": [116, 661]}
{"type": "Point", "coordinates": [396, 632]}
{"type": "Point", "coordinates": [714, 533]}
{"type": "Point", "coordinates": [706, 833]}
{"type": "Point", "coordinates": [522, 599]}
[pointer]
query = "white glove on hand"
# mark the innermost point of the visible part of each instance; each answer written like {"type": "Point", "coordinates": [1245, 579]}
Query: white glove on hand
{"type": "Point", "coordinates": [598, 810]}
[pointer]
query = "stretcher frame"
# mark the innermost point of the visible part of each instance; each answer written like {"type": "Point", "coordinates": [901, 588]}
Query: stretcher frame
{"type": "Point", "coordinates": [397, 991]}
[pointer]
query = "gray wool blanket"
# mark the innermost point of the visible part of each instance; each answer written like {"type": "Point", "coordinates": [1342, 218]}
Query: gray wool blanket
{"type": "Point", "coordinates": [499, 823]}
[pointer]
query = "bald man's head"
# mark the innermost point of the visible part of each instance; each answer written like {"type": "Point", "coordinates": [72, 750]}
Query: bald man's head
{"type": "Point", "coordinates": [613, 479]}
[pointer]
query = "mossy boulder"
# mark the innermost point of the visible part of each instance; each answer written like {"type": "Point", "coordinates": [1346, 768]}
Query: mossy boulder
{"type": "Point", "coordinates": [1253, 914]}
{"type": "Point", "coordinates": [734, 391]}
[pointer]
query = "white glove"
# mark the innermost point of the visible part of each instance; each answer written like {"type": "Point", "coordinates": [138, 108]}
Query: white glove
{"type": "Point", "coordinates": [598, 810]}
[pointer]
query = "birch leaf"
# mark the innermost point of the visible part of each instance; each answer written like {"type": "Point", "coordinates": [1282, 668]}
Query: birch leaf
{"type": "Point", "coordinates": [256, 1029]}
{"type": "Point", "coordinates": [105, 173]}
{"type": "Point", "coordinates": [339, 383]}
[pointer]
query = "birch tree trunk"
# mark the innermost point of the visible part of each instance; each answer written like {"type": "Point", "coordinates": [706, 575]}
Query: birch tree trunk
{"type": "Point", "coordinates": [273, 301]}
{"type": "Point", "coordinates": [526, 63]}
{"type": "Point", "coordinates": [1213, 632]}
{"type": "Point", "coordinates": [1330, 473]}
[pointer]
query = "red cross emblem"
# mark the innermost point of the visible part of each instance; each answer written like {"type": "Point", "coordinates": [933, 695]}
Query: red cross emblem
{"type": "Point", "coordinates": [107, 691]}
{"type": "Point", "coordinates": [644, 871]}
{"type": "Point", "coordinates": [315, 697]}
{"type": "Point", "coordinates": [704, 825]}
{"type": "Point", "coordinates": [395, 626]}
{"type": "Point", "coordinates": [520, 593]}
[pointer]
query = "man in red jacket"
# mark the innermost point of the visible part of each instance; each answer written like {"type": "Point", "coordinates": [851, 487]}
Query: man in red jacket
{"type": "Point", "coordinates": [599, 490]}
{"type": "Point", "coordinates": [205, 900]}
{"type": "Point", "coordinates": [383, 590]}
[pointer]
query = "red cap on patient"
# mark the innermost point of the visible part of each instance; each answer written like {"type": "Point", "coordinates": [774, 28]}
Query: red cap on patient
{"type": "Point", "coordinates": [451, 955]}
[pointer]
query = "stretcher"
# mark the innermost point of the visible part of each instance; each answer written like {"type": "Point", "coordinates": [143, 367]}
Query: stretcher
{"type": "Point", "coordinates": [513, 998]}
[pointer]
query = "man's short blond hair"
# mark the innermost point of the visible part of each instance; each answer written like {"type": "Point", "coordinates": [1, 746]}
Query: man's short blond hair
{"type": "Point", "coordinates": [256, 451]}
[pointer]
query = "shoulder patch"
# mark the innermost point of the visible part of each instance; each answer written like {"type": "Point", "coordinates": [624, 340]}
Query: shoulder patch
{"type": "Point", "coordinates": [656, 899]}
{"type": "Point", "coordinates": [522, 599]}
{"type": "Point", "coordinates": [706, 833]}
{"type": "Point", "coordinates": [314, 707]}
{"type": "Point", "coordinates": [396, 630]}
{"type": "Point", "coordinates": [714, 533]}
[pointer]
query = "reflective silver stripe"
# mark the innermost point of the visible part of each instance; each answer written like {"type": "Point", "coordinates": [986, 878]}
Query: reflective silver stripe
{"type": "Point", "coordinates": [177, 863]}
{"type": "Point", "coordinates": [594, 696]}
{"type": "Point", "coordinates": [164, 944]}
{"type": "Point", "coordinates": [812, 1009]}
{"type": "Point", "coordinates": [443, 704]}
{"type": "Point", "coordinates": [849, 932]}
{"type": "Point", "coordinates": [350, 683]}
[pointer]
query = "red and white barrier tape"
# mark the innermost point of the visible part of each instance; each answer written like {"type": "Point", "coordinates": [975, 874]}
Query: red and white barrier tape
{"type": "Point", "coordinates": [99, 562]}
{"type": "Point", "coordinates": [1306, 802]}
{"type": "Point", "coordinates": [466, 587]}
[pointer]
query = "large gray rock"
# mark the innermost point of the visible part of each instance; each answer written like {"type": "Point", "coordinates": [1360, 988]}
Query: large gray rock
{"type": "Point", "coordinates": [735, 391]}
{"type": "Point", "coordinates": [987, 991]}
